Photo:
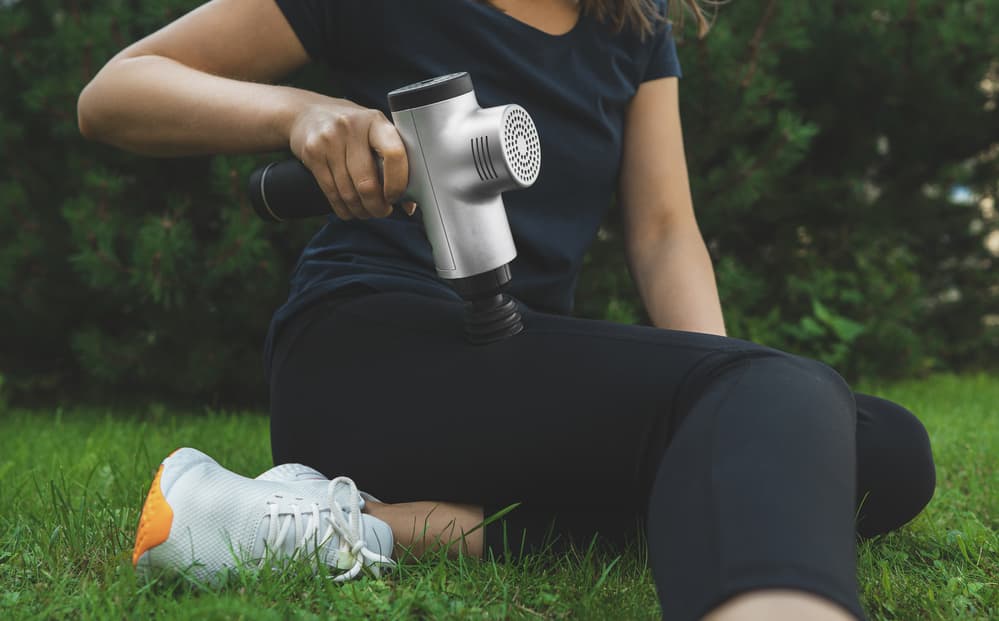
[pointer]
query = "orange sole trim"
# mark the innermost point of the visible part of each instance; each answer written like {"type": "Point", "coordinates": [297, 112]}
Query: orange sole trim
{"type": "Point", "coordinates": [155, 521]}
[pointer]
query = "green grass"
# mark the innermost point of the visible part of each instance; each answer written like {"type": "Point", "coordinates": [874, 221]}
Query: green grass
{"type": "Point", "coordinates": [72, 483]}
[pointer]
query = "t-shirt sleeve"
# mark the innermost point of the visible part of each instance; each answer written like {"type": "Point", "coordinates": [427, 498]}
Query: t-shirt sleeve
{"type": "Point", "coordinates": [311, 20]}
{"type": "Point", "coordinates": [663, 61]}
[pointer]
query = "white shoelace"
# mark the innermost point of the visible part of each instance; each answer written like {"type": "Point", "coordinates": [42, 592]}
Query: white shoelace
{"type": "Point", "coordinates": [349, 529]}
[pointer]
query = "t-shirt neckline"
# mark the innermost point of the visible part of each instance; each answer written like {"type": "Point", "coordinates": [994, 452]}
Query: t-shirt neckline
{"type": "Point", "coordinates": [531, 30]}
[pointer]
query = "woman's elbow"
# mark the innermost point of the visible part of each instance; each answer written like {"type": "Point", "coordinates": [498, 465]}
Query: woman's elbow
{"type": "Point", "coordinates": [94, 106]}
{"type": "Point", "coordinates": [87, 116]}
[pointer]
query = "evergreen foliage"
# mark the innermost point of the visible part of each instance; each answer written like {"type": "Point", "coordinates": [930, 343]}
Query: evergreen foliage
{"type": "Point", "coordinates": [125, 272]}
{"type": "Point", "coordinates": [824, 140]}
{"type": "Point", "coordinates": [844, 158]}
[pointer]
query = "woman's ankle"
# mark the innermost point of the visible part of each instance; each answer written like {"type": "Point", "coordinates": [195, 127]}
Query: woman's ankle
{"type": "Point", "coordinates": [423, 527]}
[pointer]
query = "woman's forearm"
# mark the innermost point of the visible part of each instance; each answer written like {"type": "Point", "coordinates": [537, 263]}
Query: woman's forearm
{"type": "Point", "coordinates": [676, 281]}
{"type": "Point", "coordinates": [156, 106]}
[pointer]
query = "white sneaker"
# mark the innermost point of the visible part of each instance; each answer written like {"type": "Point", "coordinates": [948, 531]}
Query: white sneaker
{"type": "Point", "coordinates": [289, 473]}
{"type": "Point", "coordinates": [300, 473]}
{"type": "Point", "coordinates": [200, 519]}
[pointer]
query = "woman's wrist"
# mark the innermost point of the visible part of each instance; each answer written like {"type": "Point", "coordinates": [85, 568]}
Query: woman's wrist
{"type": "Point", "coordinates": [290, 106]}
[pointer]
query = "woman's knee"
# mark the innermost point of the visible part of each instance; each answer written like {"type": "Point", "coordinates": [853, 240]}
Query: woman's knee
{"type": "Point", "coordinates": [818, 396]}
{"type": "Point", "coordinates": [771, 397]}
{"type": "Point", "coordinates": [831, 382]}
{"type": "Point", "coordinates": [815, 387]}
{"type": "Point", "coordinates": [896, 474]}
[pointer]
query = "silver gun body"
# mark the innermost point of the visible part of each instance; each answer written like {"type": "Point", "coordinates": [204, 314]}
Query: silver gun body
{"type": "Point", "coordinates": [461, 158]}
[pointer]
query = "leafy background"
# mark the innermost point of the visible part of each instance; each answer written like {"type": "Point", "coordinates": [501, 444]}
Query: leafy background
{"type": "Point", "coordinates": [844, 159]}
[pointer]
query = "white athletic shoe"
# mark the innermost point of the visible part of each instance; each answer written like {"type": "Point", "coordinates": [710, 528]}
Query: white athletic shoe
{"type": "Point", "coordinates": [290, 473]}
{"type": "Point", "coordinates": [300, 473]}
{"type": "Point", "coordinates": [200, 519]}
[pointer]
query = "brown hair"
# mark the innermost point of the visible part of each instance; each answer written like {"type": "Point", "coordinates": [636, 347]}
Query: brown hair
{"type": "Point", "coordinates": [694, 8]}
{"type": "Point", "coordinates": [641, 16]}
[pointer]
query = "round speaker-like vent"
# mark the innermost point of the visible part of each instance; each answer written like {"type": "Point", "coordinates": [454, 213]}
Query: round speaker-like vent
{"type": "Point", "coordinates": [521, 145]}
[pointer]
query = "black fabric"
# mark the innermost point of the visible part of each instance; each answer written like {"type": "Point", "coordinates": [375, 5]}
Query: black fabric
{"type": "Point", "coordinates": [895, 469]}
{"type": "Point", "coordinates": [740, 461]}
{"type": "Point", "coordinates": [576, 88]}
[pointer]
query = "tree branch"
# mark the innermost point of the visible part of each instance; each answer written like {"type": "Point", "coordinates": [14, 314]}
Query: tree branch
{"type": "Point", "coordinates": [756, 42]}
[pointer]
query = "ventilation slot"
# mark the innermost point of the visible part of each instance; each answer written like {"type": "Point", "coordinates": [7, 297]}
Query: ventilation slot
{"type": "Point", "coordinates": [483, 158]}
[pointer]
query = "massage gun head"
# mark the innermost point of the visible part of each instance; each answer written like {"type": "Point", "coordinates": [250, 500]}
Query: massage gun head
{"type": "Point", "coordinates": [461, 158]}
{"type": "Point", "coordinates": [498, 149]}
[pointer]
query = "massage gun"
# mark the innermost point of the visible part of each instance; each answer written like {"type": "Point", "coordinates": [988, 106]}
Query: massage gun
{"type": "Point", "coordinates": [461, 159]}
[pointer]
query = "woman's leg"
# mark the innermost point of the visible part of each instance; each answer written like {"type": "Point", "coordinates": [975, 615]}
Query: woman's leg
{"type": "Point", "coordinates": [574, 417]}
{"type": "Point", "coordinates": [895, 474]}
{"type": "Point", "coordinates": [896, 478]}
{"type": "Point", "coordinates": [421, 527]}
{"type": "Point", "coordinates": [756, 490]}
{"type": "Point", "coordinates": [895, 471]}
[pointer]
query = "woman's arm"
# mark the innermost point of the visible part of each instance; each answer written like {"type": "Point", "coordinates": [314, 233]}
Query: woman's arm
{"type": "Point", "coordinates": [195, 87]}
{"type": "Point", "coordinates": [190, 88]}
{"type": "Point", "coordinates": [666, 253]}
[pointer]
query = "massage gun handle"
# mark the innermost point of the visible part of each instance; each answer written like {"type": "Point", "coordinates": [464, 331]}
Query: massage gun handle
{"type": "Point", "coordinates": [287, 190]}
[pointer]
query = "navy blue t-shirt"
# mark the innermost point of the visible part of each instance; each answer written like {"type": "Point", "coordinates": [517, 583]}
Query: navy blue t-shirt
{"type": "Point", "coordinates": [575, 86]}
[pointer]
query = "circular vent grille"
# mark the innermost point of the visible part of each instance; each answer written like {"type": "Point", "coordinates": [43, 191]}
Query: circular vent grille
{"type": "Point", "coordinates": [521, 145]}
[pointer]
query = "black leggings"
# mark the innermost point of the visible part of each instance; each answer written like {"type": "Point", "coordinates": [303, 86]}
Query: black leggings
{"type": "Point", "coordinates": [746, 465]}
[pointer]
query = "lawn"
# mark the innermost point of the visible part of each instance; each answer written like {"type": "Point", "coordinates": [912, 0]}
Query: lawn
{"type": "Point", "coordinates": [72, 482]}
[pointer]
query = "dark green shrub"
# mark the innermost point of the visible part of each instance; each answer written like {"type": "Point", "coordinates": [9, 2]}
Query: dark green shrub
{"type": "Point", "coordinates": [823, 141]}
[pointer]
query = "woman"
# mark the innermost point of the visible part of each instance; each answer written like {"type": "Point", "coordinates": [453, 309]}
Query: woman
{"type": "Point", "coordinates": [742, 462]}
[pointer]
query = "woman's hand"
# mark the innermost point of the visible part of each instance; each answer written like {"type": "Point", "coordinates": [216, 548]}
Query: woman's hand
{"type": "Point", "coordinates": [339, 142]}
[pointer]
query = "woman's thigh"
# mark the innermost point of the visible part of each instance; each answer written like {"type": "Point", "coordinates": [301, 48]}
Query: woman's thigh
{"type": "Point", "coordinates": [385, 389]}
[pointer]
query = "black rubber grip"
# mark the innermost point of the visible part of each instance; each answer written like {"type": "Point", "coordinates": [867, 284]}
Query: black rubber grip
{"type": "Point", "coordinates": [286, 191]}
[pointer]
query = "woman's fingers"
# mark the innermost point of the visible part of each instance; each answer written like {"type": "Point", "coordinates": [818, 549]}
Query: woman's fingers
{"type": "Point", "coordinates": [344, 184]}
{"type": "Point", "coordinates": [313, 155]}
{"type": "Point", "coordinates": [336, 203]}
{"type": "Point", "coordinates": [344, 145]}
{"type": "Point", "coordinates": [385, 141]}
{"type": "Point", "coordinates": [364, 175]}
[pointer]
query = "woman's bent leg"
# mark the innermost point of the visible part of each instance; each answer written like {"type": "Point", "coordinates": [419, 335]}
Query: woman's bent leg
{"type": "Point", "coordinates": [756, 490]}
